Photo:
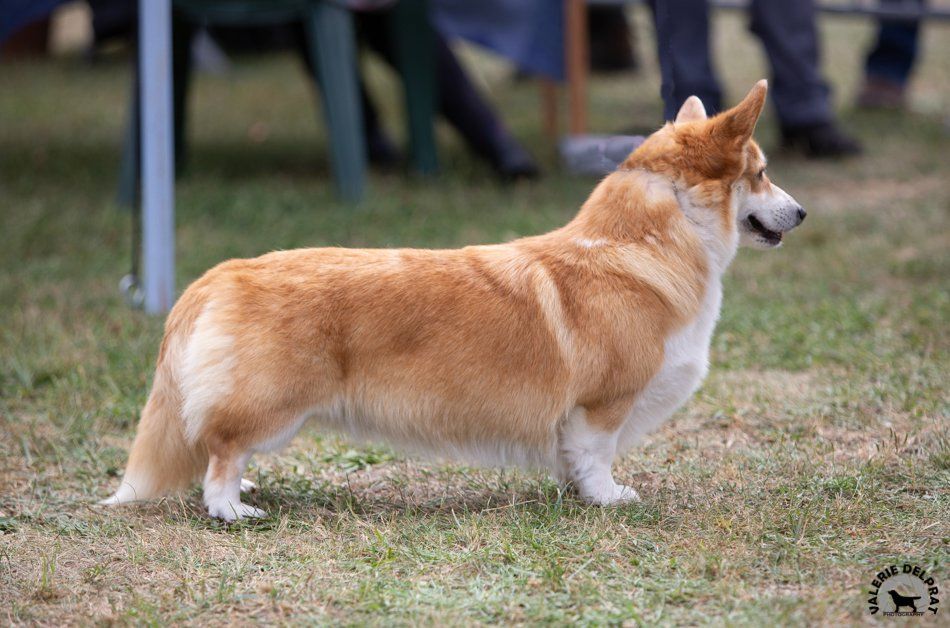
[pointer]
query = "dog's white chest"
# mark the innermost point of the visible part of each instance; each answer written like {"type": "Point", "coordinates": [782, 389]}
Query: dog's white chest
{"type": "Point", "coordinates": [685, 364]}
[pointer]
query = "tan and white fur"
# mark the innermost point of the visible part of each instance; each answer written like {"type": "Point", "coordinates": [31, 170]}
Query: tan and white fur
{"type": "Point", "coordinates": [556, 351]}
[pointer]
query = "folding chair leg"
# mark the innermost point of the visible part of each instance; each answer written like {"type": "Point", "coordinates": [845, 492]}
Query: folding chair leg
{"type": "Point", "coordinates": [414, 44]}
{"type": "Point", "coordinates": [332, 49]}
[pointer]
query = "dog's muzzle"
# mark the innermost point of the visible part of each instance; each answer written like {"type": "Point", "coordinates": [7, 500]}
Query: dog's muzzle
{"type": "Point", "coordinates": [790, 218]}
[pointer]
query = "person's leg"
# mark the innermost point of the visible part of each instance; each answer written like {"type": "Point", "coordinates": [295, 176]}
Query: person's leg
{"type": "Point", "coordinates": [460, 103]}
{"type": "Point", "coordinates": [802, 97]}
{"type": "Point", "coordinates": [466, 110]}
{"type": "Point", "coordinates": [379, 148]}
{"type": "Point", "coordinates": [682, 36]}
{"type": "Point", "coordinates": [889, 63]}
{"type": "Point", "coordinates": [789, 35]}
{"type": "Point", "coordinates": [895, 52]}
{"type": "Point", "coordinates": [611, 39]}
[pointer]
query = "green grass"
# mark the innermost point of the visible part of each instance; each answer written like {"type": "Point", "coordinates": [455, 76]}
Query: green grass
{"type": "Point", "coordinates": [816, 453]}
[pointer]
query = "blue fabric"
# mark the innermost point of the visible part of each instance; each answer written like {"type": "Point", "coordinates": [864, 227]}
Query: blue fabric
{"type": "Point", "coordinates": [15, 14]}
{"type": "Point", "coordinates": [530, 33]}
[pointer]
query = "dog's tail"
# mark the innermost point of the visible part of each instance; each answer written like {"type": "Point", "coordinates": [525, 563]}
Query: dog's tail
{"type": "Point", "coordinates": [162, 459]}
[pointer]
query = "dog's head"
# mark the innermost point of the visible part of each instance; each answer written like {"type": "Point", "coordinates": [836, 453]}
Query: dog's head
{"type": "Point", "coordinates": [722, 170]}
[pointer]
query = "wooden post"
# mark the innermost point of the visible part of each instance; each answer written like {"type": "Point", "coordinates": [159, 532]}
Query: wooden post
{"type": "Point", "coordinates": [158, 158]}
{"type": "Point", "coordinates": [577, 51]}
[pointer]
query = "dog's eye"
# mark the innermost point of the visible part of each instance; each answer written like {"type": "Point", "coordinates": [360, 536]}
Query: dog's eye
{"type": "Point", "coordinates": [760, 174]}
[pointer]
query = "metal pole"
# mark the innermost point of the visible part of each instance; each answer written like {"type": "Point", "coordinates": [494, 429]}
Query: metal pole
{"type": "Point", "coordinates": [158, 158]}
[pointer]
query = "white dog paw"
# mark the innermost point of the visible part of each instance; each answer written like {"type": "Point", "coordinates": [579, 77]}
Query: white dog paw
{"type": "Point", "coordinates": [612, 495]}
{"type": "Point", "coordinates": [247, 486]}
{"type": "Point", "coordinates": [623, 494]}
{"type": "Point", "coordinates": [229, 511]}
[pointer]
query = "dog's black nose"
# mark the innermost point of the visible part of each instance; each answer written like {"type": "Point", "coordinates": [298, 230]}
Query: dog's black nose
{"type": "Point", "coordinates": [801, 214]}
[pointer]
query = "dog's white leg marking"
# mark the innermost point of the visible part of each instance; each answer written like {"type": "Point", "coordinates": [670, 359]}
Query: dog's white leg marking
{"type": "Point", "coordinates": [587, 454]}
{"type": "Point", "coordinates": [222, 489]}
{"type": "Point", "coordinates": [685, 364]}
{"type": "Point", "coordinates": [247, 486]}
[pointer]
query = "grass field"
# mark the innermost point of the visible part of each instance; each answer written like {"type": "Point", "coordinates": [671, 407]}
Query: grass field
{"type": "Point", "coordinates": [816, 453]}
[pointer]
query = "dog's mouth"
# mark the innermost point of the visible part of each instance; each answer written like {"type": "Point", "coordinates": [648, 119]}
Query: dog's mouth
{"type": "Point", "coordinates": [772, 237]}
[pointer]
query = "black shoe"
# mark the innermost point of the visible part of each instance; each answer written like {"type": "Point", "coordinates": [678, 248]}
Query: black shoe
{"type": "Point", "coordinates": [381, 151]}
{"type": "Point", "coordinates": [819, 141]}
{"type": "Point", "coordinates": [512, 162]}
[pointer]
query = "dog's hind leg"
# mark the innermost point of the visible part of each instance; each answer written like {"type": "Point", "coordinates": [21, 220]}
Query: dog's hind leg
{"type": "Point", "coordinates": [223, 483]}
{"type": "Point", "coordinates": [588, 444]}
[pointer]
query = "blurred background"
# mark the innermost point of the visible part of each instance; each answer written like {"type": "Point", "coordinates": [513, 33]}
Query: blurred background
{"type": "Point", "coordinates": [373, 122]}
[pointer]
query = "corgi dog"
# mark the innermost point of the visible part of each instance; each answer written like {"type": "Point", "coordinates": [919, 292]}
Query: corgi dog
{"type": "Point", "coordinates": [556, 351]}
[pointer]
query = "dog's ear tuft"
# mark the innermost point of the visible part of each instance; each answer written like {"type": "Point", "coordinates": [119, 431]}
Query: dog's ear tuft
{"type": "Point", "coordinates": [691, 111]}
{"type": "Point", "coordinates": [738, 123]}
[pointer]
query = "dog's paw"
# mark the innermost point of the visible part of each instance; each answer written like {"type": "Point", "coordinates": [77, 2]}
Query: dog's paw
{"type": "Point", "coordinates": [612, 496]}
{"type": "Point", "coordinates": [623, 494]}
{"type": "Point", "coordinates": [229, 511]}
{"type": "Point", "coordinates": [247, 486]}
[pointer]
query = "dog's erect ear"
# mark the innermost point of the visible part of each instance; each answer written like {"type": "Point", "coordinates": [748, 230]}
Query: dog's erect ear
{"type": "Point", "coordinates": [738, 123]}
{"type": "Point", "coordinates": [691, 111]}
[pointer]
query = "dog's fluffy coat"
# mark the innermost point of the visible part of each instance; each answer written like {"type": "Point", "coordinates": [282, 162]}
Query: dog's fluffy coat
{"type": "Point", "coordinates": [554, 351]}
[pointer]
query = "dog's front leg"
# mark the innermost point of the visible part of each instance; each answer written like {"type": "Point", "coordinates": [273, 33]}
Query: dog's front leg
{"type": "Point", "coordinates": [588, 444]}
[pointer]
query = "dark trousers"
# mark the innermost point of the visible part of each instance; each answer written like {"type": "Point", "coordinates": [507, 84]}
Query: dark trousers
{"type": "Point", "coordinates": [787, 31]}
{"type": "Point", "coordinates": [894, 52]}
{"type": "Point", "coordinates": [459, 101]}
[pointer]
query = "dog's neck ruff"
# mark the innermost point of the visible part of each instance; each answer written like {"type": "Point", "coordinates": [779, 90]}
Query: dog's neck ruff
{"type": "Point", "coordinates": [702, 219]}
{"type": "Point", "coordinates": [672, 182]}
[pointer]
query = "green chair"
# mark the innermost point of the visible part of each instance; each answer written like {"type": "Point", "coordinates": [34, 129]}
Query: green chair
{"type": "Point", "coordinates": [330, 42]}
{"type": "Point", "coordinates": [414, 41]}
